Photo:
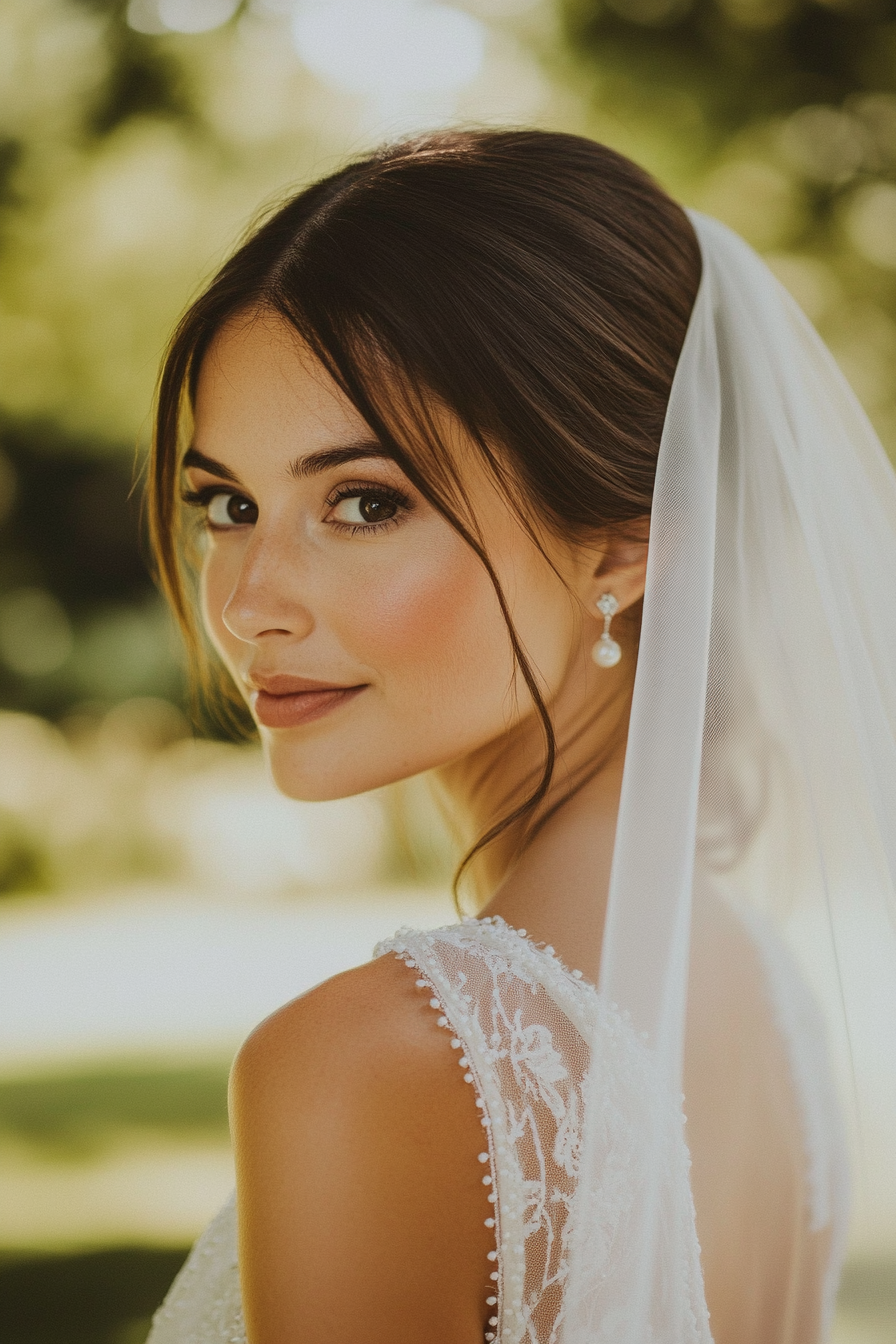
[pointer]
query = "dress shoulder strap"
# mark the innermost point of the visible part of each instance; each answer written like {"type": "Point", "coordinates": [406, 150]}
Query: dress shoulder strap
{"type": "Point", "coordinates": [523, 1026]}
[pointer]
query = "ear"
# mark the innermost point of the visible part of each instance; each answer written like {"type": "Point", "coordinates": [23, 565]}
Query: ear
{"type": "Point", "coordinates": [619, 565]}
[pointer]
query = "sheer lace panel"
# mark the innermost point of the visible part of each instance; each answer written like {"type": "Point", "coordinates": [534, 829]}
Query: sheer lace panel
{"type": "Point", "coordinates": [525, 1021]}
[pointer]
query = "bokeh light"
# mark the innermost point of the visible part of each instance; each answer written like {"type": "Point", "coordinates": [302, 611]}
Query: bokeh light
{"type": "Point", "coordinates": [35, 632]}
{"type": "Point", "coordinates": [179, 16]}
{"type": "Point", "coordinates": [146, 863]}
{"type": "Point", "coordinates": [871, 223]}
{"type": "Point", "coordinates": [388, 48]}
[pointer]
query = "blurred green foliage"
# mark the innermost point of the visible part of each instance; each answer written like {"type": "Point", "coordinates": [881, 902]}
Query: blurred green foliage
{"type": "Point", "coordinates": [130, 161]}
{"type": "Point", "coordinates": [779, 117]}
{"type": "Point", "coordinates": [739, 61]}
{"type": "Point", "coordinates": [73, 536]}
{"type": "Point", "coordinates": [73, 1115]}
{"type": "Point", "coordinates": [866, 1303]}
{"type": "Point", "coordinates": [95, 1297]}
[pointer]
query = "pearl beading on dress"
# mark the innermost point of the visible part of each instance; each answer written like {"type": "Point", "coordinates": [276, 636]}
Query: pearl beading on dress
{"type": "Point", "coordinates": [494, 1297]}
{"type": "Point", "coordinates": [523, 1206]}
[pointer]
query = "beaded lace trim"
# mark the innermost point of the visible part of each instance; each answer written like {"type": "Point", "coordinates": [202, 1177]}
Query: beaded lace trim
{"type": "Point", "coordinates": [523, 1021]}
{"type": "Point", "coordinates": [472, 1075]}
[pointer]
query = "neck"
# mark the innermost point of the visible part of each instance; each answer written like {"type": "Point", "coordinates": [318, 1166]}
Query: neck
{"type": "Point", "coordinates": [549, 872]}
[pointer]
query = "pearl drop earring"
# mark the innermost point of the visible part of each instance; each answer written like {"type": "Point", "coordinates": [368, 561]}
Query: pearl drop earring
{"type": "Point", "coordinates": [606, 652]}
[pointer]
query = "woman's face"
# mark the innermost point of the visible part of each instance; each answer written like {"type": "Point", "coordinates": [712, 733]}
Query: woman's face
{"type": "Point", "coordinates": [363, 632]}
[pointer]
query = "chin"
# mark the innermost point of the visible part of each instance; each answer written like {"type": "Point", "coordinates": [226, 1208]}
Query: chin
{"type": "Point", "coordinates": [294, 780]}
{"type": "Point", "coordinates": [301, 774]}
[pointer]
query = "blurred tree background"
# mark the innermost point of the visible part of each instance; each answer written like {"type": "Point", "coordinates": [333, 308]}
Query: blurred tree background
{"type": "Point", "coordinates": [778, 116]}
{"type": "Point", "coordinates": [137, 140]}
{"type": "Point", "coordinates": [132, 156]}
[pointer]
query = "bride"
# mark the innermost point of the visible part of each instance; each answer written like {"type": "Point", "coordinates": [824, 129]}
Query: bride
{"type": "Point", "coordinates": [506, 469]}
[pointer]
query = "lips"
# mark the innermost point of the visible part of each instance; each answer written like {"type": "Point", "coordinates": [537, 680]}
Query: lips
{"type": "Point", "coordinates": [284, 701]}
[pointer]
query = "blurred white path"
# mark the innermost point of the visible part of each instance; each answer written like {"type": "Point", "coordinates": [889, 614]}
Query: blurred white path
{"type": "Point", "coordinates": [168, 973]}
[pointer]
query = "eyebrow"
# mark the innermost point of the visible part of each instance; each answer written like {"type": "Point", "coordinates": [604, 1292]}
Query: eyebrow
{"type": "Point", "coordinates": [193, 458]}
{"type": "Point", "coordinates": [301, 467]}
{"type": "Point", "coordinates": [327, 458]}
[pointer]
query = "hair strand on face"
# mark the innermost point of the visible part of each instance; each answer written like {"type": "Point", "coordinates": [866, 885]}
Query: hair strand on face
{"type": "Point", "coordinates": [535, 285]}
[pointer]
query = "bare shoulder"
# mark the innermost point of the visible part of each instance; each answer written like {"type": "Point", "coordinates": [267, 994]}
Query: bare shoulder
{"type": "Point", "coordinates": [360, 1195]}
{"type": "Point", "coordinates": [367, 1020]}
{"type": "Point", "coordinates": [352, 1052]}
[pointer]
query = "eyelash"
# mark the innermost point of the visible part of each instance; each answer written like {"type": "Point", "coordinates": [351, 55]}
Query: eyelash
{"type": "Point", "coordinates": [200, 498]}
{"type": "Point", "coordinates": [354, 489]}
{"type": "Point", "coordinates": [203, 497]}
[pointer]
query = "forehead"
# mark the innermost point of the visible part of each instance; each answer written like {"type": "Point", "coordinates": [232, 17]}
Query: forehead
{"type": "Point", "coordinates": [261, 388]}
{"type": "Point", "coordinates": [264, 401]}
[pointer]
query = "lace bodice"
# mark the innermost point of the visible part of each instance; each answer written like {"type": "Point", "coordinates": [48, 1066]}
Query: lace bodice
{"type": "Point", "coordinates": [519, 1022]}
{"type": "Point", "coordinates": [524, 1024]}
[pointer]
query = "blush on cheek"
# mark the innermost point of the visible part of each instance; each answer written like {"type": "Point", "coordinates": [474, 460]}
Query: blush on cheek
{"type": "Point", "coordinates": [439, 619]}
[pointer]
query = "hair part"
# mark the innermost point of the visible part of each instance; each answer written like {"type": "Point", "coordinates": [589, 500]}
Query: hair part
{"type": "Point", "coordinates": [536, 285]}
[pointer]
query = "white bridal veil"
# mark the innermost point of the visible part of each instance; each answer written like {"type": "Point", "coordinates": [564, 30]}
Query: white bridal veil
{"type": "Point", "coordinates": [762, 748]}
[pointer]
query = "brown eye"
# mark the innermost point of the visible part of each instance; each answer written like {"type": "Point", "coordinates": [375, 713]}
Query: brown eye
{"type": "Point", "coordinates": [375, 508]}
{"type": "Point", "coordinates": [365, 507]}
{"type": "Point", "coordinates": [226, 510]}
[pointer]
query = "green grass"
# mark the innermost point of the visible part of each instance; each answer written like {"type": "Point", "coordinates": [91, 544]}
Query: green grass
{"type": "Point", "coordinates": [97, 1297]}
{"type": "Point", "coordinates": [870, 1286]}
{"type": "Point", "coordinates": [74, 1114]}
{"type": "Point", "coordinates": [866, 1303]}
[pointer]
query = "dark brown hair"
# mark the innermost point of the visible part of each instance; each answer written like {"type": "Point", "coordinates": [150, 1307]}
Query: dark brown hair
{"type": "Point", "coordinates": [537, 285]}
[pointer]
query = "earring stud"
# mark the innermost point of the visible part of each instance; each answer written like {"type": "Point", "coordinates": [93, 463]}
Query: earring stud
{"type": "Point", "coordinates": [606, 652]}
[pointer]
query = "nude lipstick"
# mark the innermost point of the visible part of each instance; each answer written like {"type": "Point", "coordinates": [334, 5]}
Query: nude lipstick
{"type": "Point", "coordinates": [283, 701]}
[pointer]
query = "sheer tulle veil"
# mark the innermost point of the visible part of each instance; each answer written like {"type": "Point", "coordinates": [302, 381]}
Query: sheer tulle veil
{"type": "Point", "coordinates": [761, 756]}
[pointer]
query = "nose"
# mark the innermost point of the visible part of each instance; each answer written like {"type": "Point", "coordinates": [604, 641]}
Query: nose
{"type": "Point", "coordinates": [265, 601]}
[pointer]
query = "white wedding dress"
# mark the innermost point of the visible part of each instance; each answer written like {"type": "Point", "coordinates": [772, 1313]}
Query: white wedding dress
{"type": "Point", "coordinates": [520, 1023]}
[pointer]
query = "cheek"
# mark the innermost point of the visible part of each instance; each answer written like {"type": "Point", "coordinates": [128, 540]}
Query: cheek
{"type": "Point", "coordinates": [433, 633]}
{"type": "Point", "coordinates": [432, 627]}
